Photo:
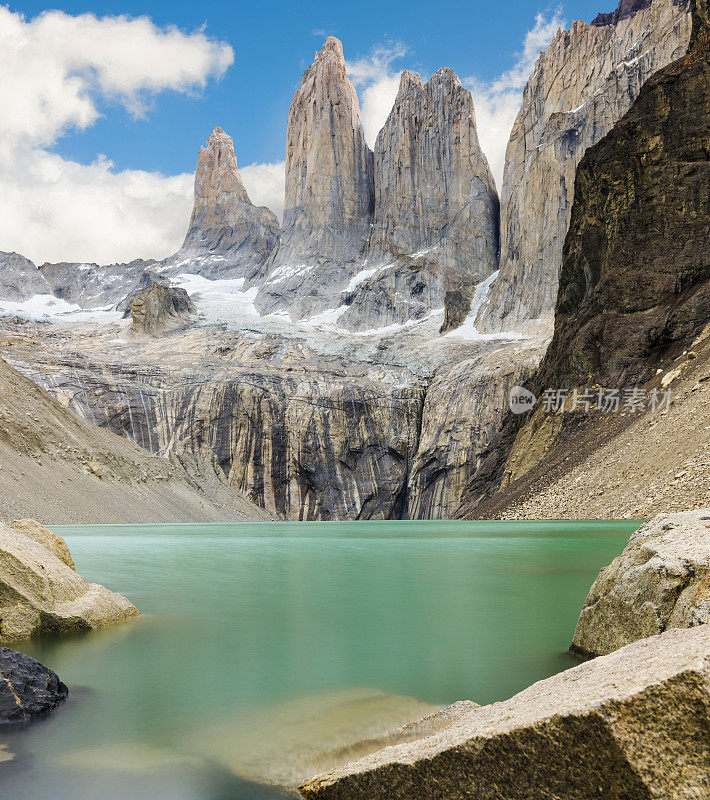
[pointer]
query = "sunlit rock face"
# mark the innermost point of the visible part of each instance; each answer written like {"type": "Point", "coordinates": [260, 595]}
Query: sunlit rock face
{"type": "Point", "coordinates": [435, 225]}
{"type": "Point", "coordinates": [588, 77]}
{"type": "Point", "coordinates": [433, 185]}
{"type": "Point", "coordinates": [224, 221]}
{"type": "Point", "coordinates": [329, 185]}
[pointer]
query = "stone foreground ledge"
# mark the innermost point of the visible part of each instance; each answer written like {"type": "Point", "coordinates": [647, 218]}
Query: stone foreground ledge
{"type": "Point", "coordinates": [634, 724]}
{"type": "Point", "coordinates": [660, 581]}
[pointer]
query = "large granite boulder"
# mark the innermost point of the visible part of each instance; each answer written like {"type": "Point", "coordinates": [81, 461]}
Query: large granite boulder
{"type": "Point", "coordinates": [660, 581]}
{"type": "Point", "coordinates": [40, 594]}
{"type": "Point", "coordinates": [28, 689]}
{"type": "Point", "coordinates": [634, 724]}
{"type": "Point", "coordinates": [50, 541]}
{"type": "Point", "coordinates": [158, 307]}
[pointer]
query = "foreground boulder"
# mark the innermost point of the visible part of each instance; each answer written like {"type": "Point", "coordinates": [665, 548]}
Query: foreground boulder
{"type": "Point", "coordinates": [40, 593]}
{"type": "Point", "coordinates": [633, 724]}
{"type": "Point", "coordinates": [27, 688]}
{"type": "Point", "coordinates": [660, 581]}
{"type": "Point", "coordinates": [50, 541]}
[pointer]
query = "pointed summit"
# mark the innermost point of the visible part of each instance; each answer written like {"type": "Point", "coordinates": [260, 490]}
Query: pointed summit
{"type": "Point", "coordinates": [332, 47]}
{"type": "Point", "coordinates": [329, 186]}
{"type": "Point", "coordinates": [434, 189]}
{"type": "Point", "coordinates": [224, 220]}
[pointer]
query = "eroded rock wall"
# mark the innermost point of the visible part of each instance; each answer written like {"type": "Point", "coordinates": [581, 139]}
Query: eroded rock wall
{"type": "Point", "coordinates": [301, 443]}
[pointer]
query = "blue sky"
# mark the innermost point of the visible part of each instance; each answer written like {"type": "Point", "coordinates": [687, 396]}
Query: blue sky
{"type": "Point", "coordinates": [104, 114]}
{"type": "Point", "coordinates": [273, 43]}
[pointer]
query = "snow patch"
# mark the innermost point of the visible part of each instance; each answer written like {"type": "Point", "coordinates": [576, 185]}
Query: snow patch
{"type": "Point", "coordinates": [467, 330]}
{"type": "Point", "coordinates": [48, 308]}
{"type": "Point", "coordinates": [287, 271]}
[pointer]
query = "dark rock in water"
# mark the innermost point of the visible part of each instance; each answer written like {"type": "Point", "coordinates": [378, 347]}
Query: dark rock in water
{"type": "Point", "coordinates": [156, 306]}
{"type": "Point", "coordinates": [27, 688]}
{"type": "Point", "coordinates": [457, 304]}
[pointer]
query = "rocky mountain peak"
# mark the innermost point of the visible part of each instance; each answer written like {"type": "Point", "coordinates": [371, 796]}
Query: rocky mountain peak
{"type": "Point", "coordinates": [406, 81]}
{"type": "Point", "coordinates": [329, 181]}
{"type": "Point", "coordinates": [586, 79]}
{"type": "Point", "coordinates": [217, 172]}
{"type": "Point", "coordinates": [625, 9]}
{"type": "Point", "coordinates": [433, 185]}
{"type": "Point", "coordinates": [224, 220]}
{"type": "Point", "coordinates": [332, 48]}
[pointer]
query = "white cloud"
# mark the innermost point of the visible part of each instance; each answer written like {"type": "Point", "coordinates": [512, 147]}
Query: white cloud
{"type": "Point", "coordinates": [377, 85]}
{"type": "Point", "coordinates": [266, 185]}
{"type": "Point", "coordinates": [497, 102]}
{"type": "Point", "coordinates": [57, 69]}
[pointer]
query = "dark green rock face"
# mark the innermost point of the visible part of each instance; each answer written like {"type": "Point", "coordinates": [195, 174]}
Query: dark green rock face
{"type": "Point", "coordinates": [27, 688]}
{"type": "Point", "coordinates": [635, 282]}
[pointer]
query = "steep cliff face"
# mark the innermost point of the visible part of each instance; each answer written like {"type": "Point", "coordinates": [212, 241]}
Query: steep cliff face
{"type": "Point", "coordinates": [435, 225]}
{"type": "Point", "coordinates": [462, 412]}
{"type": "Point", "coordinates": [55, 464]}
{"type": "Point", "coordinates": [329, 182]}
{"type": "Point", "coordinates": [635, 286]}
{"type": "Point", "coordinates": [433, 186]}
{"type": "Point", "coordinates": [224, 221]}
{"type": "Point", "coordinates": [582, 84]}
{"type": "Point", "coordinates": [19, 278]}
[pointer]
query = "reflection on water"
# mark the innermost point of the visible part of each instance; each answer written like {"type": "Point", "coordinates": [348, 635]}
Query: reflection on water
{"type": "Point", "coordinates": [267, 651]}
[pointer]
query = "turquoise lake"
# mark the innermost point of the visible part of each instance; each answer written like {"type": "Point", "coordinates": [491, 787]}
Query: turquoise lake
{"type": "Point", "coordinates": [263, 644]}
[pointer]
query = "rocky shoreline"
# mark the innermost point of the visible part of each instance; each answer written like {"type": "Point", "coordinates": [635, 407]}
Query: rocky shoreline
{"type": "Point", "coordinates": [632, 722]}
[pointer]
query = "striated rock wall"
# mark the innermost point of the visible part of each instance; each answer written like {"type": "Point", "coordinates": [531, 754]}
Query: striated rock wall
{"type": "Point", "coordinates": [586, 79]}
{"type": "Point", "coordinates": [463, 410]}
{"type": "Point", "coordinates": [300, 442]}
{"type": "Point", "coordinates": [224, 221]}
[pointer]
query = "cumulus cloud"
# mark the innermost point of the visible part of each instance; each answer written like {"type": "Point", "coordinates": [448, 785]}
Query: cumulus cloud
{"type": "Point", "coordinates": [58, 69]}
{"type": "Point", "coordinates": [497, 102]}
{"type": "Point", "coordinates": [266, 184]}
{"type": "Point", "coordinates": [377, 83]}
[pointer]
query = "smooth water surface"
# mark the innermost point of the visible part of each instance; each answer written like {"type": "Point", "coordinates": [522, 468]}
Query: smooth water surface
{"type": "Point", "coordinates": [259, 641]}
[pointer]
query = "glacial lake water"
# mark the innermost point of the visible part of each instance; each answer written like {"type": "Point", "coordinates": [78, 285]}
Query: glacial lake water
{"type": "Point", "coordinates": [262, 644]}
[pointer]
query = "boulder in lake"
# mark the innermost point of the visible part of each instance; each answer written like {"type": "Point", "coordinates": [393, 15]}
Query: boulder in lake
{"type": "Point", "coordinates": [27, 688]}
{"type": "Point", "coordinates": [660, 581]}
{"type": "Point", "coordinates": [55, 544]}
{"type": "Point", "coordinates": [40, 593]}
{"type": "Point", "coordinates": [633, 724]}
